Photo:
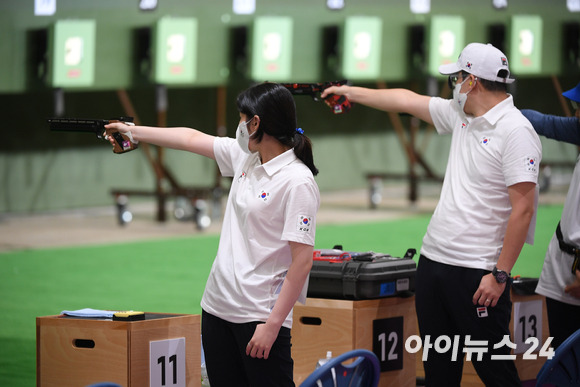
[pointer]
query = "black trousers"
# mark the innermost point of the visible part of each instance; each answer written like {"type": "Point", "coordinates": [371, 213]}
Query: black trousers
{"type": "Point", "coordinates": [563, 319]}
{"type": "Point", "coordinates": [445, 309]}
{"type": "Point", "coordinates": [224, 346]}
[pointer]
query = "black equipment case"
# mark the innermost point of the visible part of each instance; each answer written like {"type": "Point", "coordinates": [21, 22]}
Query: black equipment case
{"type": "Point", "coordinates": [524, 286]}
{"type": "Point", "coordinates": [358, 276]}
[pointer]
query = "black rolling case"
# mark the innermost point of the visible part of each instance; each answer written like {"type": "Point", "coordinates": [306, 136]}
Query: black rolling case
{"type": "Point", "coordinates": [345, 275]}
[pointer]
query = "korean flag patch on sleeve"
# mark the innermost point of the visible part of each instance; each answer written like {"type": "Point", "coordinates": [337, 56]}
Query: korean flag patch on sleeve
{"type": "Point", "coordinates": [531, 164]}
{"type": "Point", "coordinates": [304, 223]}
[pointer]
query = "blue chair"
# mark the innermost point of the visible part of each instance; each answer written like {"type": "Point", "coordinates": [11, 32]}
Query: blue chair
{"type": "Point", "coordinates": [564, 368]}
{"type": "Point", "coordinates": [364, 371]}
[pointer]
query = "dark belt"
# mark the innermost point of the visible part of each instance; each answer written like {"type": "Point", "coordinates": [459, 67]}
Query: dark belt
{"type": "Point", "coordinates": [568, 248]}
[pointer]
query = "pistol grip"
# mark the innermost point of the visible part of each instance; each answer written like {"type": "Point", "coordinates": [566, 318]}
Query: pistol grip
{"type": "Point", "coordinates": [122, 143]}
{"type": "Point", "coordinates": [338, 103]}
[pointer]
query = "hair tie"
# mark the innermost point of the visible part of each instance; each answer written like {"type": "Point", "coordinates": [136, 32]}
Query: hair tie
{"type": "Point", "coordinates": [299, 130]}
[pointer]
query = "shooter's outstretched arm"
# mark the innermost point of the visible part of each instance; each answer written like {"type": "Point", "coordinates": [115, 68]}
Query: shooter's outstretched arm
{"type": "Point", "coordinates": [179, 138]}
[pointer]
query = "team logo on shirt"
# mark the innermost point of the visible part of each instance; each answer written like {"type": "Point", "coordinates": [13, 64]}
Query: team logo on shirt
{"type": "Point", "coordinates": [304, 223]}
{"type": "Point", "coordinates": [463, 125]}
{"type": "Point", "coordinates": [485, 140]}
{"type": "Point", "coordinates": [531, 164]}
{"type": "Point", "coordinates": [263, 196]}
{"type": "Point", "coordinates": [242, 176]}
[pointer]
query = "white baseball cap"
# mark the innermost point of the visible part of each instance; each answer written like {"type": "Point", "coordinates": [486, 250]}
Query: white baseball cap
{"type": "Point", "coordinates": [482, 60]}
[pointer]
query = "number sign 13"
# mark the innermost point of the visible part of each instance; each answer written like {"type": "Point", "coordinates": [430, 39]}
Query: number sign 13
{"type": "Point", "coordinates": [527, 323]}
{"type": "Point", "coordinates": [167, 363]}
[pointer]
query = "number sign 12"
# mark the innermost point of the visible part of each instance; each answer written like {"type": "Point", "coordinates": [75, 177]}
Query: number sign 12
{"type": "Point", "coordinates": [167, 363]}
{"type": "Point", "coordinates": [388, 343]}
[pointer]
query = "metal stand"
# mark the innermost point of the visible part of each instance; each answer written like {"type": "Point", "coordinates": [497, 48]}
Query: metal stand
{"type": "Point", "coordinates": [191, 202]}
{"type": "Point", "coordinates": [414, 159]}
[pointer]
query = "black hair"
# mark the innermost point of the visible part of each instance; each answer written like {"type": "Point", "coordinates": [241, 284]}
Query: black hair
{"type": "Point", "coordinates": [275, 106]}
{"type": "Point", "coordinates": [491, 85]}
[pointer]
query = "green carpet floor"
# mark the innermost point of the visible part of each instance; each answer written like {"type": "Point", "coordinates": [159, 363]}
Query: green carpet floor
{"type": "Point", "coordinates": [165, 276]}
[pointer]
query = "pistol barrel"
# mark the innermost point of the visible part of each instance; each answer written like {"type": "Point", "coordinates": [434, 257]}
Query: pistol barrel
{"type": "Point", "coordinates": [96, 126]}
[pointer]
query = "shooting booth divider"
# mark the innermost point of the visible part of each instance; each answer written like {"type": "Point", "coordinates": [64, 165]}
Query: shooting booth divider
{"type": "Point", "coordinates": [526, 44]}
{"type": "Point", "coordinates": [446, 40]}
{"type": "Point", "coordinates": [271, 49]}
{"type": "Point", "coordinates": [361, 48]}
{"type": "Point", "coordinates": [175, 48]}
{"type": "Point", "coordinates": [72, 53]}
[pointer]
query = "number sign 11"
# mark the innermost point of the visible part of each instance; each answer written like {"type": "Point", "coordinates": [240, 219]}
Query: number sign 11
{"type": "Point", "coordinates": [167, 363]}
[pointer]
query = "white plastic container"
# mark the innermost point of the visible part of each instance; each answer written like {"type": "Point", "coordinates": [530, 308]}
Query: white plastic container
{"type": "Point", "coordinates": [325, 360]}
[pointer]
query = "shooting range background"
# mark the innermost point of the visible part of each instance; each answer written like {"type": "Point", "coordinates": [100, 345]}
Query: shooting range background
{"type": "Point", "coordinates": [45, 171]}
{"type": "Point", "coordinates": [167, 275]}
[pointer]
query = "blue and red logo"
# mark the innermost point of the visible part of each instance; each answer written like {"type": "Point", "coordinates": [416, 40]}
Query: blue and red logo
{"type": "Point", "coordinates": [531, 164]}
{"type": "Point", "coordinates": [263, 195]}
{"type": "Point", "coordinates": [304, 223]}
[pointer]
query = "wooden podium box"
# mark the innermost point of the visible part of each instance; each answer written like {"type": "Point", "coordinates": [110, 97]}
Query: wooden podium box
{"type": "Point", "coordinates": [82, 351]}
{"type": "Point", "coordinates": [339, 326]}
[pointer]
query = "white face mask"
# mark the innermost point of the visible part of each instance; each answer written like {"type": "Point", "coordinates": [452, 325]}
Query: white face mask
{"type": "Point", "coordinates": [460, 98]}
{"type": "Point", "coordinates": [243, 136]}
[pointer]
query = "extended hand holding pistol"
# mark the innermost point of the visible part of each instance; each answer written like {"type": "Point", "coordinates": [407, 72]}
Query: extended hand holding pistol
{"type": "Point", "coordinates": [123, 141]}
{"type": "Point", "coordinates": [338, 103]}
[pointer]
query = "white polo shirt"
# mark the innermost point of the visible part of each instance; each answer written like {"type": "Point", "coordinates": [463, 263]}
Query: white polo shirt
{"type": "Point", "coordinates": [556, 272]}
{"type": "Point", "coordinates": [488, 154]}
{"type": "Point", "coordinates": [268, 205]}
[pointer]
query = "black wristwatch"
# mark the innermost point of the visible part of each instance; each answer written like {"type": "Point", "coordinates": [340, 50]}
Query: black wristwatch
{"type": "Point", "coordinates": [500, 276]}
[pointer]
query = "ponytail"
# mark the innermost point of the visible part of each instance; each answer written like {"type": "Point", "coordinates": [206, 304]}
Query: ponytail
{"type": "Point", "coordinates": [303, 150]}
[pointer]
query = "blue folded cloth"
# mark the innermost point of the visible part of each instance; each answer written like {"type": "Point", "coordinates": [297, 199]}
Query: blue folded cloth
{"type": "Point", "coordinates": [87, 312]}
